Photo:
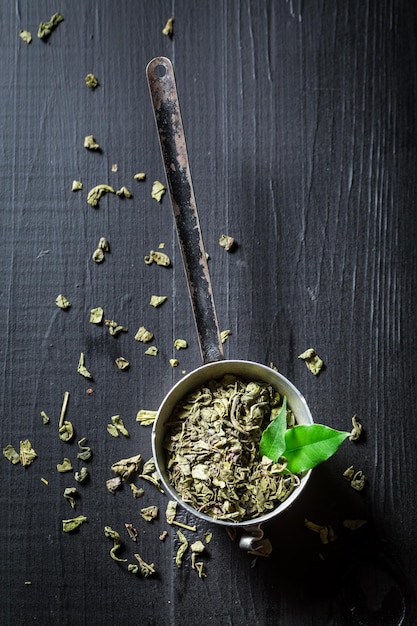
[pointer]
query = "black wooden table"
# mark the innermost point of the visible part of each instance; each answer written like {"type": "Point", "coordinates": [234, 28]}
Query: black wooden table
{"type": "Point", "coordinates": [301, 127]}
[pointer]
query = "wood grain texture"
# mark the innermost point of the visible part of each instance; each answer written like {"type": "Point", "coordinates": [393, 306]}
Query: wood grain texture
{"type": "Point", "coordinates": [301, 128]}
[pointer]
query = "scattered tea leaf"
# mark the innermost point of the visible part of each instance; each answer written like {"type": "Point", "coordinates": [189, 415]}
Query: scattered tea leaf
{"type": "Point", "coordinates": [354, 524]}
{"type": "Point", "coordinates": [62, 302]}
{"type": "Point", "coordinates": [95, 194]}
{"type": "Point", "coordinates": [156, 301]}
{"type": "Point", "coordinates": [115, 328]}
{"type": "Point", "coordinates": [152, 351]}
{"type": "Point", "coordinates": [124, 192]}
{"type": "Point", "coordinates": [143, 335]}
{"type": "Point", "coordinates": [118, 423]}
{"type": "Point", "coordinates": [358, 481]}
{"type": "Point", "coordinates": [113, 534]}
{"type": "Point", "coordinates": [90, 143]}
{"type": "Point", "coordinates": [96, 315]}
{"type": "Point", "coordinates": [158, 190]}
{"type": "Point", "coordinates": [46, 28]}
{"type": "Point", "coordinates": [224, 335]}
{"type": "Point", "coordinates": [131, 531]}
{"type": "Point", "coordinates": [153, 479]}
{"type": "Point", "coordinates": [160, 258]}
{"type": "Point", "coordinates": [226, 242]}
{"type": "Point", "coordinates": [69, 525]}
{"type": "Point", "coordinates": [98, 255]}
{"type": "Point", "coordinates": [168, 29]}
{"type": "Point", "coordinates": [85, 451]}
{"type": "Point", "coordinates": [82, 475]}
{"type": "Point", "coordinates": [27, 453]}
{"type": "Point", "coordinates": [45, 418]}
{"type": "Point", "coordinates": [312, 360]}
{"type": "Point", "coordinates": [140, 176]}
{"type": "Point", "coordinates": [199, 566]}
{"type": "Point", "coordinates": [308, 445]}
{"type": "Point", "coordinates": [132, 568]}
{"type": "Point", "coordinates": [65, 466]}
{"type": "Point", "coordinates": [163, 535]}
{"type": "Point", "coordinates": [66, 431]}
{"type": "Point", "coordinates": [91, 81]}
{"type": "Point", "coordinates": [113, 483]}
{"type": "Point", "coordinates": [126, 467]}
{"type": "Point", "coordinates": [145, 417]}
{"type": "Point", "coordinates": [122, 363]}
{"type": "Point", "coordinates": [208, 536]}
{"type": "Point", "coordinates": [180, 344]}
{"type": "Point", "coordinates": [174, 362]}
{"type": "Point", "coordinates": [11, 454]}
{"type": "Point", "coordinates": [81, 368]}
{"type": "Point", "coordinates": [356, 430]}
{"type": "Point", "coordinates": [146, 569]}
{"type": "Point", "coordinates": [45, 482]}
{"type": "Point", "coordinates": [26, 36]}
{"type": "Point", "coordinates": [112, 430]}
{"type": "Point", "coordinates": [272, 444]}
{"type": "Point", "coordinates": [76, 185]}
{"type": "Point", "coordinates": [149, 513]}
{"type": "Point", "coordinates": [114, 167]}
{"type": "Point", "coordinates": [182, 549]}
{"type": "Point", "coordinates": [69, 494]}
{"type": "Point", "coordinates": [171, 511]}
{"type": "Point", "coordinates": [137, 491]}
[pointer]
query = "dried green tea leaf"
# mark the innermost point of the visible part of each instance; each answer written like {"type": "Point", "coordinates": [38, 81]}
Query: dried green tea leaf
{"type": "Point", "coordinates": [143, 335]}
{"type": "Point", "coordinates": [45, 482]}
{"type": "Point", "coordinates": [354, 524]}
{"type": "Point", "coordinates": [11, 454]}
{"type": "Point", "coordinates": [158, 190]}
{"type": "Point", "coordinates": [126, 467]}
{"type": "Point", "coordinates": [69, 494]}
{"type": "Point", "coordinates": [160, 258]}
{"type": "Point", "coordinates": [199, 566]}
{"type": "Point", "coordinates": [76, 185]}
{"type": "Point", "coordinates": [153, 479]}
{"type": "Point", "coordinates": [45, 418]}
{"type": "Point", "coordinates": [358, 481]}
{"type": "Point", "coordinates": [113, 483]}
{"type": "Point", "coordinates": [113, 534]}
{"type": "Point", "coordinates": [224, 335]}
{"type": "Point", "coordinates": [356, 430]}
{"type": "Point", "coordinates": [174, 362]}
{"type": "Point", "coordinates": [171, 511]}
{"type": "Point", "coordinates": [90, 143]}
{"type": "Point", "coordinates": [308, 445]}
{"type": "Point", "coordinates": [156, 301]}
{"type": "Point", "coordinates": [263, 548]}
{"type": "Point", "coordinates": [98, 255]}
{"type": "Point", "coordinates": [145, 417]}
{"type": "Point", "coordinates": [131, 531]}
{"type": "Point", "coordinates": [349, 473]}
{"type": "Point", "coordinates": [91, 81]}
{"type": "Point", "coordinates": [146, 569]}
{"type": "Point", "coordinates": [137, 491]}
{"type": "Point", "coordinates": [69, 525]}
{"type": "Point", "coordinates": [272, 444]}
{"type": "Point", "coordinates": [122, 363]}
{"type": "Point", "coordinates": [82, 475]}
{"type": "Point", "coordinates": [27, 453]}
{"type": "Point", "coordinates": [208, 536]}
{"type": "Point", "coordinates": [85, 451]}
{"type": "Point", "coordinates": [112, 430]}
{"type": "Point", "coordinates": [124, 192]}
{"type": "Point", "coordinates": [312, 360]}
{"type": "Point", "coordinates": [197, 547]}
{"type": "Point", "coordinates": [65, 466]}
{"type": "Point", "coordinates": [168, 29]}
{"type": "Point", "coordinates": [132, 568]}
{"type": "Point", "coordinates": [81, 368]}
{"type": "Point", "coordinates": [96, 315]}
{"type": "Point", "coordinates": [140, 176]}
{"type": "Point", "coordinates": [151, 351]}
{"type": "Point", "coordinates": [25, 35]}
{"type": "Point", "coordinates": [226, 242]}
{"type": "Point", "coordinates": [118, 423]}
{"type": "Point", "coordinates": [46, 28]}
{"type": "Point", "coordinates": [180, 344]}
{"type": "Point", "coordinates": [149, 467]}
{"type": "Point", "coordinates": [95, 194]}
{"type": "Point", "coordinates": [62, 302]}
{"type": "Point", "coordinates": [66, 431]}
{"type": "Point", "coordinates": [182, 549]}
{"type": "Point", "coordinates": [115, 328]}
{"type": "Point", "coordinates": [149, 513]}
{"type": "Point", "coordinates": [163, 535]}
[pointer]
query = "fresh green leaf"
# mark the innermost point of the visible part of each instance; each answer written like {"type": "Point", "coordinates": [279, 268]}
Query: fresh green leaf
{"type": "Point", "coordinates": [272, 442]}
{"type": "Point", "coordinates": [307, 445]}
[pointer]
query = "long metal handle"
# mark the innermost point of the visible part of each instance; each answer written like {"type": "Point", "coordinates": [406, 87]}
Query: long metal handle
{"type": "Point", "coordinates": [167, 113]}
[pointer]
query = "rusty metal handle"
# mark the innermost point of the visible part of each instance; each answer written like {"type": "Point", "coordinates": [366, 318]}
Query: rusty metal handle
{"type": "Point", "coordinates": [167, 113]}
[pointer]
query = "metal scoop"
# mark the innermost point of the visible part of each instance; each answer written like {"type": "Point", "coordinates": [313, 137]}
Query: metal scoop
{"type": "Point", "coordinates": [166, 107]}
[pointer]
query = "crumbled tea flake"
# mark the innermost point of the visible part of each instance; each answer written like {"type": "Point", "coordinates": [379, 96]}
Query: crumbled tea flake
{"type": "Point", "coordinates": [11, 454]}
{"type": "Point", "coordinates": [168, 29]}
{"type": "Point", "coordinates": [161, 245]}
{"type": "Point", "coordinates": [124, 192]}
{"type": "Point", "coordinates": [69, 494]}
{"type": "Point", "coordinates": [163, 535]}
{"type": "Point", "coordinates": [349, 473]}
{"type": "Point", "coordinates": [326, 533]}
{"type": "Point", "coordinates": [197, 547]}
{"type": "Point", "coordinates": [76, 185]}
{"type": "Point", "coordinates": [156, 301]}
{"type": "Point", "coordinates": [114, 167]}
{"type": "Point", "coordinates": [122, 363]}
{"type": "Point", "coordinates": [226, 242]}
{"type": "Point", "coordinates": [136, 491]}
{"type": "Point", "coordinates": [62, 302]}
{"type": "Point", "coordinates": [112, 430]}
{"type": "Point", "coordinates": [69, 525]}
{"type": "Point", "coordinates": [65, 466]}
{"type": "Point", "coordinates": [160, 258]}
{"type": "Point", "coordinates": [180, 344]}
{"type": "Point", "coordinates": [199, 566]}
{"type": "Point", "coordinates": [98, 255]}
{"type": "Point", "coordinates": [113, 534]}
{"type": "Point", "coordinates": [95, 194]}
{"type": "Point", "coordinates": [146, 569]}
{"type": "Point", "coordinates": [312, 360]}
{"type": "Point", "coordinates": [90, 143]}
{"type": "Point", "coordinates": [45, 418]}
{"type": "Point", "coordinates": [143, 335]}
{"type": "Point", "coordinates": [149, 513]}
{"type": "Point", "coordinates": [208, 536]}
{"type": "Point", "coordinates": [171, 511]}
{"type": "Point", "coordinates": [153, 479]}
{"type": "Point", "coordinates": [26, 36]}
{"type": "Point", "coordinates": [81, 368]}
{"type": "Point", "coordinates": [118, 423]}
{"type": "Point", "coordinates": [126, 467]}
{"type": "Point", "coordinates": [46, 28]}
{"type": "Point", "coordinates": [140, 176]}
{"type": "Point", "coordinates": [27, 453]}
{"type": "Point", "coordinates": [91, 81]}
{"type": "Point", "coordinates": [152, 351]}
{"type": "Point", "coordinates": [113, 483]}
{"type": "Point", "coordinates": [96, 315]}
{"type": "Point", "coordinates": [131, 531]}
{"type": "Point", "coordinates": [182, 549]}
{"type": "Point", "coordinates": [224, 335]}
{"type": "Point", "coordinates": [145, 417]}
{"type": "Point", "coordinates": [149, 467]}
{"type": "Point", "coordinates": [89, 391]}
{"type": "Point", "coordinates": [114, 327]}
{"type": "Point", "coordinates": [85, 452]}
{"type": "Point", "coordinates": [132, 568]}
{"type": "Point", "coordinates": [81, 476]}
{"type": "Point", "coordinates": [158, 190]}
{"type": "Point", "coordinates": [45, 481]}
{"type": "Point", "coordinates": [358, 481]}
{"type": "Point", "coordinates": [174, 362]}
{"type": "Point", "coordinates": [66, 431]}
{"type": "Point", "coordinates": [354, 524]}
{"type": "Point", "coordinates": [356, 430]}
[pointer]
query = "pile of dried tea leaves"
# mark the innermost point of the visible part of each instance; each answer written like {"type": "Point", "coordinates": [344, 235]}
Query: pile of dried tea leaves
{"type": "Point", "coordinates": [212, 447]}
